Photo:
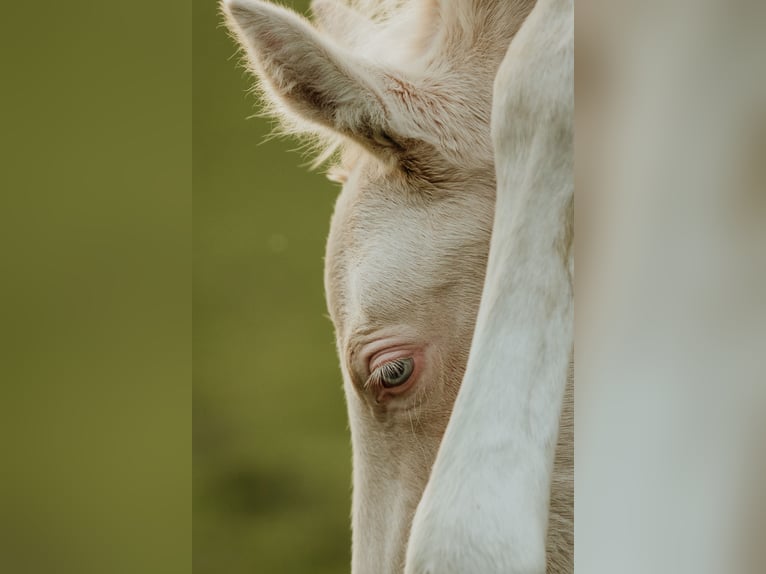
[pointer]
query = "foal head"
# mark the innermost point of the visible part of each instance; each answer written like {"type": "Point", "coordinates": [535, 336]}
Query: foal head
{"type": "Point", "coordinates": [405, 96]}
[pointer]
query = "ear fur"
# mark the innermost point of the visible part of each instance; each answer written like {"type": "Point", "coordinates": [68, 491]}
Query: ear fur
{"type": "Point", "coordinates": [340, 21]}
{"type": "Point", "coordinates": [309, 77]}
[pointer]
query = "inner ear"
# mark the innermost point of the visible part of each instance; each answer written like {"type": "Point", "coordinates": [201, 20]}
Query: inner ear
{"type": "Point", "coordinates": [313, 82]}
{"type": "Point", "coordinates": [387, 141]}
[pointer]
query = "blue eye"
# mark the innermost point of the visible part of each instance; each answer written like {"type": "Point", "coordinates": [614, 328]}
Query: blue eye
{"type": "Point", "coordinates": [396, 373]}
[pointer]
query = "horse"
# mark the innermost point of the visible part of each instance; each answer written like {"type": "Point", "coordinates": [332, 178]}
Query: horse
{"type": "Point", "coordinates": [450, 123]}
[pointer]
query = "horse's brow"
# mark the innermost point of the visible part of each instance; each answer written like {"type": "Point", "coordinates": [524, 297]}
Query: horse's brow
{"type": "Point", "coordinates": [357, 338]}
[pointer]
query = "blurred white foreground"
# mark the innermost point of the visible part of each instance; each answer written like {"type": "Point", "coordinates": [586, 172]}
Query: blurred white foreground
{"type": "Point", "coordinates": [671, 287]}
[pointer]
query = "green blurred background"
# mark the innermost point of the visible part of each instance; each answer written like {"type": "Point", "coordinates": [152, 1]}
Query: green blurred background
{"type": "Point", "coordinates": [95, 291]}
{"type": "Point", "coordinates": [96, 246]}
{"type": "Point", "coordinates": [271, 458]}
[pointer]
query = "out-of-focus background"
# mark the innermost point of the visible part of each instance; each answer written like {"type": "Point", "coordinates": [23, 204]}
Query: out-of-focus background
{"type": "Point", "coordinates": [95, 290]}
{"type": "Point", "coordinates": [272, 461]}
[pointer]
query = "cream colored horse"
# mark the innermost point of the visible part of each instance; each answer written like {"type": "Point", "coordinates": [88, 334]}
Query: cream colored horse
{"type": "Point", "coordinates": [404, 91]}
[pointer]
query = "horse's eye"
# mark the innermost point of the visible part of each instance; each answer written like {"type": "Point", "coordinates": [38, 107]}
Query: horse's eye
{"type": "Point", "coordinates": [396, 373]}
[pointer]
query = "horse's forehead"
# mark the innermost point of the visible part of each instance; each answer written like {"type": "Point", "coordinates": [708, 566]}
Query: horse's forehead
{"type": "Point", "coordinates": [391, 256]}
{"type": "Point", "coordinates": [377, 251]}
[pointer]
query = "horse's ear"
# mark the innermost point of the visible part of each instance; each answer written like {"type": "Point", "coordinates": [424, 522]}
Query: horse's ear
{"type": "Point", "coordinates": [309, 77]}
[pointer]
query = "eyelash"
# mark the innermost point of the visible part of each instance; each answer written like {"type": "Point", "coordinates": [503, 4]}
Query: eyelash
{"type": "Point", "coordinates": [403, 365]}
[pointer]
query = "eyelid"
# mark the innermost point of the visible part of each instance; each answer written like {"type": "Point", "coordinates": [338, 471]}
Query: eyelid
{"type": "Point", "coordinates": [386, 356]}
{"type": "Point", "coordinates": [372, 352]}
